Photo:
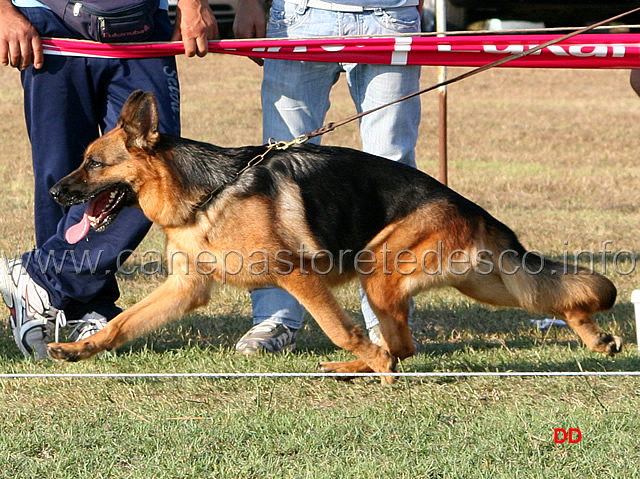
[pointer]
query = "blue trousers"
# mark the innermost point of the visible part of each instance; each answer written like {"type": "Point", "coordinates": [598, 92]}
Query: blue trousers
{"type": "Point", "coordinates": [68, 104]}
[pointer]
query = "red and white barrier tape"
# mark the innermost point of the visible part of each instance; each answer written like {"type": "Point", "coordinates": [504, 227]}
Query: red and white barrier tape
{"type": "Point", "coordinates": [611, 50]}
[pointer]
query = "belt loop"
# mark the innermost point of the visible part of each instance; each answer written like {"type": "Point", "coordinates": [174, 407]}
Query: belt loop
{"type": "Point", "coordinates": [377, 11]}
{"type": "Point", "coordinates": [302, 6]}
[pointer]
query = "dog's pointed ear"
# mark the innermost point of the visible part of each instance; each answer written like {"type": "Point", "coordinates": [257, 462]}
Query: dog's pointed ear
{"type": "Point", "coordinates": [139, 119]}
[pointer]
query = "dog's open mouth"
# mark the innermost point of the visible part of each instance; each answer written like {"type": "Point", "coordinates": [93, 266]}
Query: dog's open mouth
{"type": "Point", "coordinates": [101, 211]}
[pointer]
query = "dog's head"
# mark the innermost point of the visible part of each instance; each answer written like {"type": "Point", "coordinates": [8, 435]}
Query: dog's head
{"type": "Point", "coordinates": [110, 174]}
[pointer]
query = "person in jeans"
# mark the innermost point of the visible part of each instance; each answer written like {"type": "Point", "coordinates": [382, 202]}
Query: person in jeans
{"type": "Point", "coordinates": [68, 102]}
{"type": "Point", "coordinates": [295, 100]}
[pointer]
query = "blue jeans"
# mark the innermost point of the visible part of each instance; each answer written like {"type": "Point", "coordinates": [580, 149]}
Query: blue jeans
{"type": "Point", "coordinates": [295, 100]}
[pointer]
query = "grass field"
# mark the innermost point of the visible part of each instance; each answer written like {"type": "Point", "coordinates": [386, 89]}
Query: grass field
{"type": "Point", "coordinates": [553, 154]}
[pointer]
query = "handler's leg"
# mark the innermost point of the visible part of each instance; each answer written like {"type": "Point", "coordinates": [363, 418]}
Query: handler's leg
{"type": "Point", "coordinates": [295, 100]}
{"type": "Point", "coordinates": [391, 132]}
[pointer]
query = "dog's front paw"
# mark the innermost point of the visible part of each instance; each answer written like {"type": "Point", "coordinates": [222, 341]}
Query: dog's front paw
{"type": "Point", "coordinates": [71, 351]}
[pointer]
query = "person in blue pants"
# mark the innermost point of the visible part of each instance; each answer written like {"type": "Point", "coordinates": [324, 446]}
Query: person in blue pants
{"type": "Point", "coordinates": [68, 102]}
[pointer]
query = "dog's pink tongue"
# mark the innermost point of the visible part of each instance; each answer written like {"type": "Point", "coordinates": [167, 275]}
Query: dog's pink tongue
{"type": "Point", "coordinates": [78, 231]}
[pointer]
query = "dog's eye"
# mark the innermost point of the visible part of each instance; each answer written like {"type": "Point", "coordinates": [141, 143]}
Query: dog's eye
{"type": "Point", "coordinates": [94, 164]}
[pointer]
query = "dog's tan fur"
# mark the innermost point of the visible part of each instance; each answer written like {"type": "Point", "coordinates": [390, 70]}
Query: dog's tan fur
{"type": "Point", "coordinates": [235, 221]}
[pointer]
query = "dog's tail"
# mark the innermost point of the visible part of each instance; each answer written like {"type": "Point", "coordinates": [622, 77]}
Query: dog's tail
{"type": "Point", "coordinates": [544, 286]}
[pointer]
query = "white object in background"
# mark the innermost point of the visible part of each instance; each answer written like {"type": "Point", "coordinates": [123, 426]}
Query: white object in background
{"type": "Point", "coordinates": [545, 323]}
{"type": "Point", "coordinates": [495, 24]}
{"type": "Point", "coordinates": [635, 299]}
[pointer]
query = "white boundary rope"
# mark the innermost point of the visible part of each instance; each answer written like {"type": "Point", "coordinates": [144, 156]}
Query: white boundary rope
{"type": "Point", "coordinates": [485, 374]}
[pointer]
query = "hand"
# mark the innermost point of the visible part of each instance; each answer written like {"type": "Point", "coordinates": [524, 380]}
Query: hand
{"type": "Point", "coordinates": [250, 22]}
{"type": "Point", "coordinates": [20, 44]}
{"type": "Point", "coordinates": [195, 26]}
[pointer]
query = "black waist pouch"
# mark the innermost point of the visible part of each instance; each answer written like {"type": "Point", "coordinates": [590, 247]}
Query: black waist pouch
{"type": "Point", "coordinates": [112, 21]}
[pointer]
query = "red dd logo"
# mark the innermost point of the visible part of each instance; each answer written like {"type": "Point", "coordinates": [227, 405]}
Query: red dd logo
{"type": "Point", "coordinates": [562, 435]}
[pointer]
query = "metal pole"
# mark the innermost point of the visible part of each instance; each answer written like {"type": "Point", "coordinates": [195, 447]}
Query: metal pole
{"type": "Point", "coordinates": [441, 26]}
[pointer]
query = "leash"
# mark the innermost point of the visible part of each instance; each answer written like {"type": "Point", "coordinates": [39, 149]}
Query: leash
{"type": "Point", "coordinates": [283, 145]}
{"type": "Point", "coordinates": [272, 145]}
{"type": "Point", "coordinates": [333, 125]}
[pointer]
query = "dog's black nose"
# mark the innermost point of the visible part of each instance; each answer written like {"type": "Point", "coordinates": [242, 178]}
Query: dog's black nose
{"type": "Point", "coordinates": [55, 191]}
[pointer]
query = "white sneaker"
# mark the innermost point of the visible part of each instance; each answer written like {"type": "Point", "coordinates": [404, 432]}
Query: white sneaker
{"type": "Point", "coordinates": [268, 336]}
{"type": "Point", "coordinates": [86, 326]}
{"type": "Point", "coordinates": [31, 315]}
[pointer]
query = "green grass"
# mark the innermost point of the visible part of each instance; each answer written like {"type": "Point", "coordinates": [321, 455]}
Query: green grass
{"type": "Point", "coordinates": [551, 153]}
{"type": "Point", "coordinates": [316, 428]}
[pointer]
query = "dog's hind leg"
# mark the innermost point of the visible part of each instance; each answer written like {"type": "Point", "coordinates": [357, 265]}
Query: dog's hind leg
{"type": "Point", "coordinates": [172, 300]}
{"type": "Point", "coordinates": [491, 289]}
{"type": "Point", "coordinates": [594, 338]}
{"type": "Point", "coordinates": [391, 307]}
{"type": "Point", "coordinates": [316, 297]}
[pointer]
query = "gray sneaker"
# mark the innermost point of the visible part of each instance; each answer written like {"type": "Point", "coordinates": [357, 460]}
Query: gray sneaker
{"type": "Point", "coordinates": [31, 315]}
{"type": "Point", "coordinates": [86, 326]}
{"type": "Point", "coordinates": [267, 336]}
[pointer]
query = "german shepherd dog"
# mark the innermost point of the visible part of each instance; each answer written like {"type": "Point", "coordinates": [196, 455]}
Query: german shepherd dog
{"type": "Point", "coordinates": [315, 217]}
